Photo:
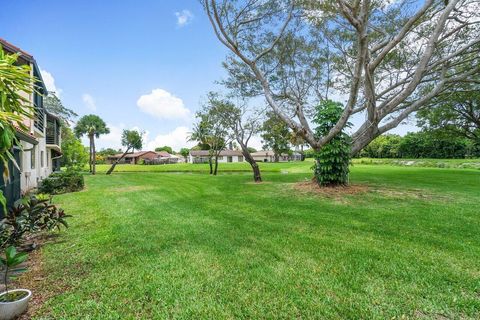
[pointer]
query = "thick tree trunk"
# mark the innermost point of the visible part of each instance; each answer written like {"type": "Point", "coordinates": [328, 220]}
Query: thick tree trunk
{"type": "Point", "coordinates": [362, 140]}
{"type": "Point", "coordinates": [276, 157]}
{"type": "Point", "coordinates": [257, 177]}
{"type": "Point", "coordinates": [216, 166]}
{"type": "Point", "coordinates": [117, 162]}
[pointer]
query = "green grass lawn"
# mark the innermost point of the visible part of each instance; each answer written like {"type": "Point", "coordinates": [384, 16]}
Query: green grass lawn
{"type": "Point", "coordinates": [147, 245]}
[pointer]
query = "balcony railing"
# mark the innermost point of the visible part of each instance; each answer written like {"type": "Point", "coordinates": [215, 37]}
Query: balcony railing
{"type": "Point", "coordinates": [53, 131]}
{"type": "Point", "coordinates": [39, 119]}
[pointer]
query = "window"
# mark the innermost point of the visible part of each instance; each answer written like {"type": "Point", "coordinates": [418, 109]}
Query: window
{"type": "Point", "coordinates": [240, 159]}
{"type": "Point", "coordinates": [220, 157]}
{"type": "Point", "coordinates": [42, 160]}
{"type": "Point", "coordinates": [32, 157]}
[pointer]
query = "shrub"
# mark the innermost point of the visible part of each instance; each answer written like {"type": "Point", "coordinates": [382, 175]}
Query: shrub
{"type": "Point", "coordinates": [332, 161]}
{"type": "Point", "coordinates": [31, 214]}
{"type": "Point", "coordinates": [62, 182]}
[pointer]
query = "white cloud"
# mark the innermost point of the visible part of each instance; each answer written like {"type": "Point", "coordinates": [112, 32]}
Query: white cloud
{"type": "Point", "coordinates": [163, 105]}
{"type": "Point", "coordinates": [184, 17]}
{"type": "Point", "coordinates": [176, 139]}
{"type": "Point", "coordinates": [49, 81]}
{"type": "Point", "coordinates": [89, 102]}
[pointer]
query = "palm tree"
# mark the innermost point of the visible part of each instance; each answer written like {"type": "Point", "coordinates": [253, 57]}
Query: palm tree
{"type": "Point", "coordinates": [92, 126]}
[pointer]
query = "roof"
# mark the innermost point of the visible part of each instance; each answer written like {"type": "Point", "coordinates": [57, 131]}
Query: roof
{"type": "Point", "coordinates": [223, 153]}
{"type": "Point", "coordinates": [27, 56]}
{"type": "Point", "coordinates": [131, 155]}
{"type": "Point", "coordinates": [269, 153]}
{"type": "Point", "coordinates": [25, 136]}
{"type": "Point", "coordinates": [163, 154]}
{"type": "Point", "coordinates": [14, 49]}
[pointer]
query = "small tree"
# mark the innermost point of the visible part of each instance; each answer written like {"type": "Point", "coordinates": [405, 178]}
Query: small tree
{"type": "Point", "coordinates": [131, 140]}
{"type": "Point", "coordinates": [201, 134]}
{"type": "Point", "coordinates": [164, 148]}
{"type": "Point", "coordinates": [239, 125]}
{"type": "Point", "coordinates": [185, 152]}
{"type": "Point", "coordinates": [74, 154]}
{"type": "Point", "coordinates": [275, 135]}
{"type": "Point", "coordinates": [333, 159]}
{"type": "Point", "coordinates": [92, 126]}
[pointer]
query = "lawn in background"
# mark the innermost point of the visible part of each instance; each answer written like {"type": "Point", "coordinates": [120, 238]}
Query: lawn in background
{"type": "Point", "coordinates": [192, 246]}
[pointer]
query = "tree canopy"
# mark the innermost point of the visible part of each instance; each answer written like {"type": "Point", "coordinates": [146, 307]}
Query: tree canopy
{"type": "Point", "coordinates": [388, 59]}
{"type": "Point", "coordinates": [55, 106]}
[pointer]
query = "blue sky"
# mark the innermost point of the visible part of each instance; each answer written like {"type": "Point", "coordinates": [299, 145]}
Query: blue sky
{"type": "Point", "coordinates": [138, 64]}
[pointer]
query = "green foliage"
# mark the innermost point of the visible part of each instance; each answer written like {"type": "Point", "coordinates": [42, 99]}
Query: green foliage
{"type": "Point", "coordinates": [62, 182]}
{"type": "Point", "coordinates": [14, 79]}
{"type": "Point", "coordinates": [91, 125]}
{"type": "Point", "coordinates": [74, 153]}
{"type": "Point", "coordinates": [132, 139]}
{"type": "Point", "coordinates": [384, 146]}
{"type": "Point", "coordinates": [332, 161]}
{"type": "Point", "coordinates": [275, 135]}
{"type": "Point", "coordinates": [457, 113]}
{"type": "Point", "coordinates": [31, 214]}
{"type": "Point", "coordinates": [185, 152]}
{"type": "Point", "coordinates": [12, 260]}
{"type": "Point", "coordinates": [438, 144]}
{"type": "Point", "coordinates": [54, 105]}
{"type": "Point", "coordinates": [251, 149]}
{"type": "Point", "coordinates": [165, 148]}
{"type": "Point", "coordinates": [434, 144]}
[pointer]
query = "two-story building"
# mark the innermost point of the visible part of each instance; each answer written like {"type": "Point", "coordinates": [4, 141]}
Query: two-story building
{"type": "Point", "coordinates": [38, 151]}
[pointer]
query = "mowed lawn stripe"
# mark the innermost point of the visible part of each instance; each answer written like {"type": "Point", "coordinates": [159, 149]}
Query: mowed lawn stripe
{"type": "Point", "coordinates": [165, 245]}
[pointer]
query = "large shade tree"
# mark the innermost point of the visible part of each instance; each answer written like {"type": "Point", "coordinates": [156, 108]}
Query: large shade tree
{"type": "Point", "coordinates": [132, 140]}
{"type": "Point", "coordinates": [91, 126]}
{"type": "Point", "coordinates": [387, 58]}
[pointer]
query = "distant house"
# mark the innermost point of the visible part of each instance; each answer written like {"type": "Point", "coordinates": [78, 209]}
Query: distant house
{"type": "Point", "coordinates": [201, 156]}
{"type": "Point", "coordinates": [147, 157]}
{"type": "Point", "coordinates": [269, 156]}
{"type": "Point", "coordinates": [37, 151]}
{"type": "Point", "coordinates": [163, 157]}
{"type": "Point", "coordinates": [133, 158]}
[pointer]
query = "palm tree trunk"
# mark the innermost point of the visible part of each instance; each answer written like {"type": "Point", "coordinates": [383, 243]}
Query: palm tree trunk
{"type": "Point", "coordinates": [90, 154]}
{"type": "Point", "coordinates": [117, 161]}
{"type": "Point", "coordinates": [93, 156]}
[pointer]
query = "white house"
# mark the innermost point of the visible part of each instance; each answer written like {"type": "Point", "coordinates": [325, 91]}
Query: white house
{"type": "Point", "coordinates": [201, 156]}
{"type": "Point", "coordinates": [38, 151]}
{"type": "Point", "coordinates": [269, 156]}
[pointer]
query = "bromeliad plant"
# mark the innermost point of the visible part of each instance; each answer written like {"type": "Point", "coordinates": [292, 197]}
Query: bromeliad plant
{"type": "Point", "coordinates": [10, 265]}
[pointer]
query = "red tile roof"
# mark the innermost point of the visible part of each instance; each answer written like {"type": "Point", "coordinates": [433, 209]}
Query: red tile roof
{"type": "Point", "coordinates": [14, 49]}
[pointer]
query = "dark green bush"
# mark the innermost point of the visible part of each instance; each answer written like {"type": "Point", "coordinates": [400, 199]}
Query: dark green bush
{"type": "Point", "coordinates": [62, 182]}
{"type": "Point", "coordinates": [332, 161]}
